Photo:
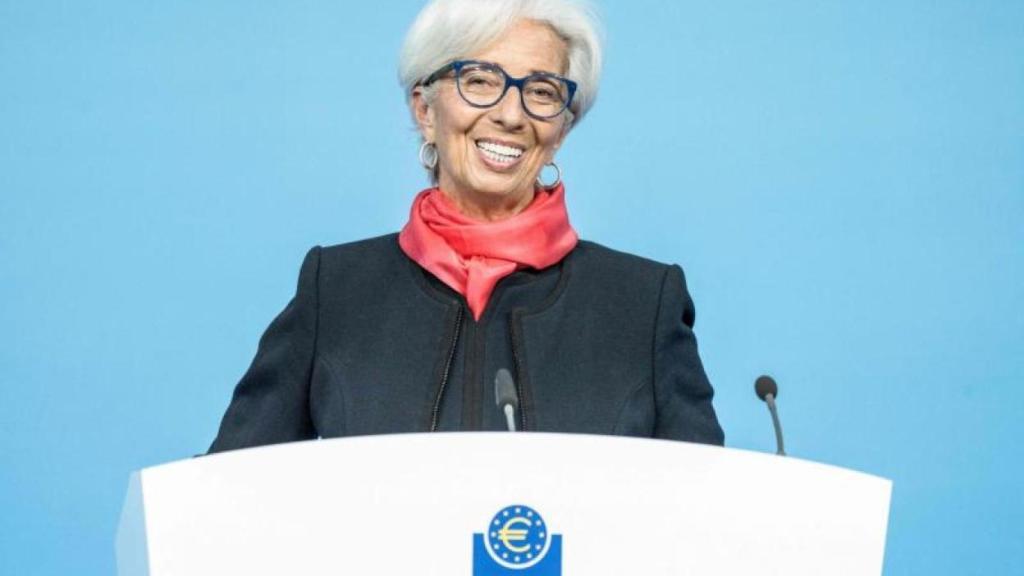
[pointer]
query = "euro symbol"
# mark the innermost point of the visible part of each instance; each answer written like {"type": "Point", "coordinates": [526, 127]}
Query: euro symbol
{"type": "Point", "coordinates": [507, 534]}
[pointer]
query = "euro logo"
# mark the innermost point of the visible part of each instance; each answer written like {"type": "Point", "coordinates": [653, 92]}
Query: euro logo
{"type": "Point", "coordinates": [517, 541]}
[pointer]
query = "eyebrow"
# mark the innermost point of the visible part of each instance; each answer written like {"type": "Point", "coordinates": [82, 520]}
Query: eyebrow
{"type": "Point", "coordinates": [532, 70]}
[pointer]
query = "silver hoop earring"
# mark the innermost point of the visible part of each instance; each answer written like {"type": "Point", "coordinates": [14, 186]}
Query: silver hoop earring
{"type": "Point", "coordinates": [428, 156]}
{"type": "Point", "coordinates": [558, 177]}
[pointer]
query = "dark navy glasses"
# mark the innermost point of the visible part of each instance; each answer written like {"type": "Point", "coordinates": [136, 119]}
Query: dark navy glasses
{"type": "Point", "coordinates": [484, 84]}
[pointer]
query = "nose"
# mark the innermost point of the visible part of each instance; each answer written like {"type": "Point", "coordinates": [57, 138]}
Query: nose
{"type": "Point", "coordinates": [508, 112]}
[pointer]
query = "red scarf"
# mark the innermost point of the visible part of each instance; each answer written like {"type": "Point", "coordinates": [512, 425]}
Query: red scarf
{"type": "Point", "coordinates": [472, 256]}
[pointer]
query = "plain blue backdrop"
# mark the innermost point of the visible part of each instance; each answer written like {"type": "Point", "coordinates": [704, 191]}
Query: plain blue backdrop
{"type": "Point", "coordinates": [842, 181]}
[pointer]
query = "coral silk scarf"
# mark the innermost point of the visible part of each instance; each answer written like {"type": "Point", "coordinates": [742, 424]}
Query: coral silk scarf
{"type": "Point", "coordinates": [471, 256]}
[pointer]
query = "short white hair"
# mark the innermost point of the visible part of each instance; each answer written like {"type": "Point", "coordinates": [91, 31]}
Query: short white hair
{"type": "Point", "coordinates": [447, 30]}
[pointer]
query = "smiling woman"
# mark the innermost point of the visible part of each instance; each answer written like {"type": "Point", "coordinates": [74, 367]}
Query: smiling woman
{"type": "Point", "coordinates": [406, 332]}
{"type": "Point", "coordinates": [490, 155]}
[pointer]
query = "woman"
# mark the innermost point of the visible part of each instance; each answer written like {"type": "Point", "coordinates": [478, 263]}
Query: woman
{"type": "Point", "coordinates": [405, 333]}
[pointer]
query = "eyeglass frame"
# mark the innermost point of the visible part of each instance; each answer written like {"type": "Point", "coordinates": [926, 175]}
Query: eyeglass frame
{"type": "Point", "coordinates": [458, 65]}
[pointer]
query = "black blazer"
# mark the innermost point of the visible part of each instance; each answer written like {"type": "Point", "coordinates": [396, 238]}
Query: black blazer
{"type": "Point", "coordinates": [371, 343]}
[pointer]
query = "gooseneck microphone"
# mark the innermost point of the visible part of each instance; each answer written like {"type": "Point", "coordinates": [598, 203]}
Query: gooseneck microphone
{"type": "Point", "coordinates": [768, 390]}
{"type": "Point", "coordinates": [506, 397]}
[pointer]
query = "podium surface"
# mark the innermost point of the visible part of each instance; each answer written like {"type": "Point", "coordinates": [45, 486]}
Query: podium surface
{"type": "Point", "coordinates": [426, 504]}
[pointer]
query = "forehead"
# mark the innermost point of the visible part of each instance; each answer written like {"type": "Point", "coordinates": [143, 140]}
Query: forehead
{"type": "Point", "coordinates": [528, 46]}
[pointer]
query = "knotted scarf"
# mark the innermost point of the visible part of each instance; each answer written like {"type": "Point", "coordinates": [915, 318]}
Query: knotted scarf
{"type": "Point", "coordinates": [471, 256]}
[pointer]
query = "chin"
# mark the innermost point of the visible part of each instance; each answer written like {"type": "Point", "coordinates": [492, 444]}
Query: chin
{"type": "Point", "coordinates": [500, 187]}
{"type": "Point", "coordinates": [497, 191]}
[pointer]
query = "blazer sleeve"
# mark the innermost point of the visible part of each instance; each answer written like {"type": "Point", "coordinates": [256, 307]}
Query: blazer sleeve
{"type": "Point", "coordinates": [681, 389]}
{"type": "Point", "coordinates": [271, 402]}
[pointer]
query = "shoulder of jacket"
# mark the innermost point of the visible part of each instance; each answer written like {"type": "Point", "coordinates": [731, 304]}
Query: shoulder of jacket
{"type": "Point", "coordinates": [599, 258]}
{"type": "Point", "coordinates": [361, 250]}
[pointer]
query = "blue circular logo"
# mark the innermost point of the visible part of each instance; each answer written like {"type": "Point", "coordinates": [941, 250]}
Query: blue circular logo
{"type": "Point", "coordinates": [517, 537]}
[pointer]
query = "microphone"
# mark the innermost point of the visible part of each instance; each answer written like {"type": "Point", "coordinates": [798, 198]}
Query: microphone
{"type": "Point", "coordinates": [768, 390]}
{"type": "Point", "coordinates": [506, 397]}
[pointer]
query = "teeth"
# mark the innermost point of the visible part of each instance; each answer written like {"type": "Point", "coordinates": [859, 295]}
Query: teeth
{"type": "Point", "coordinates": [498, 157]}
{"type": "Point", "coordinates": [505, 153]}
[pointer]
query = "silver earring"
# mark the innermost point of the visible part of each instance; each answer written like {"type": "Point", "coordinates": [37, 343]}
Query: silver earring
{"type": "Point", "coordinates": [558, 177]}
{"type": "Point", "coordinates": [428, 156]}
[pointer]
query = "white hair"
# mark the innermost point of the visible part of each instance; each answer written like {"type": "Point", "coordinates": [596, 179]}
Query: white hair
{"type": "Point", "coordinates": [447, 30]}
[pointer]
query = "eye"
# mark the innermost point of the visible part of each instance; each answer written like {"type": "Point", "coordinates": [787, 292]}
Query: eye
{"type": "Point", "coordinates": [542, 91]}
{"type": "Point", "coordinates": [480, 77]}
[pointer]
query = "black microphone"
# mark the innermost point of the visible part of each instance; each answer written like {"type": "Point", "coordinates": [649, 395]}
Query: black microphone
{"type": "Point", "coordinates": [506, 397]}
{"type": "Point", "coordinates": [768, 390]}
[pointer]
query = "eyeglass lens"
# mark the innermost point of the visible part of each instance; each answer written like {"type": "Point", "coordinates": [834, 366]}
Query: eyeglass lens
{"type": "Point", "coordinates": [543, 96]}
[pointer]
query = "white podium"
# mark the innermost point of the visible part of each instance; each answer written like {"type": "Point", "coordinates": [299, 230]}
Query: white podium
{"type": "Point", "coordinates": [479, 504]}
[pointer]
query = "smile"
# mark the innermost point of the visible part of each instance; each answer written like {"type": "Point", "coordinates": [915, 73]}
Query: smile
{"type": "Point", "coordinates": [499, 154]}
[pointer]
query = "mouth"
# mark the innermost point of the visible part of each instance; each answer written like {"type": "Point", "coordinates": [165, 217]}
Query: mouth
{"type": "Point", "coordinates": [499, 155]}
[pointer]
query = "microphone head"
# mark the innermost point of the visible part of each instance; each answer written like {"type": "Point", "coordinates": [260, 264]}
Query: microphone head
{"type": "Point", "coordinates": [505, 389]}
{"type": "Point", "coordinates": [765, 385]}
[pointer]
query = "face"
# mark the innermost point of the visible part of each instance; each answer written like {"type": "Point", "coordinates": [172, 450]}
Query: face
{"type": "Point", "coordinates": [489, 158]}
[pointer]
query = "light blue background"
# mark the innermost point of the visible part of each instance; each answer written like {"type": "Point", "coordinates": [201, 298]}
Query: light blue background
{"type": "Point", "coordinates": [842, 181]}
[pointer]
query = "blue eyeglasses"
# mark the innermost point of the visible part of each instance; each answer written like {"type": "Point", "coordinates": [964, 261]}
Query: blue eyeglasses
{"type": "Point", "coordinates": [484, 84]}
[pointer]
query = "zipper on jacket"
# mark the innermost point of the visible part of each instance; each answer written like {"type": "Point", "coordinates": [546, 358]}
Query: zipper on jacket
{"type": "Point", "coordinates": [436, 414]}
{"type": "Point", "coordinates": [517, 366]}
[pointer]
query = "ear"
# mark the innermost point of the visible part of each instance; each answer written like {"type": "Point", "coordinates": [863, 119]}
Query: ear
{"type": "Point", "coordinates": [423, 113]}
{"type": "Point", "coordinates": [566, 126]}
